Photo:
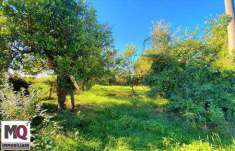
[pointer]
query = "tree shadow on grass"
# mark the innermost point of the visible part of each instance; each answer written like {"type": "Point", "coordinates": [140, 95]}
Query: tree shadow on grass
{"type": "Point", "coordinates": [49, 107]}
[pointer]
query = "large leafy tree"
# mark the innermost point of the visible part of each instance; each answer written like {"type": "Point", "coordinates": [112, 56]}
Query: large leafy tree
{"type": "Point", "coordinates": [63, 33]}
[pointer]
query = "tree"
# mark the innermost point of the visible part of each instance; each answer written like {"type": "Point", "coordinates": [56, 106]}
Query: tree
{"type": "Point", "coordinates": [161, 36]}
{"type": "Point", "coordinates": [143, 65]}
{"type": "Point", "coordinates": [216, 38]}
{"type": "Point", "coordinates": [128, 64]}
{"type": "Point", "coordinates": [229, 8]}
{"type": "Point", "coordinates": [160, 42]}
{"type": "Point", "coordinates": [63, 33]}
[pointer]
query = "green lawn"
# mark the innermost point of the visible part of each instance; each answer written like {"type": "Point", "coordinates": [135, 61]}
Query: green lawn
{"type": "Point", "coordinates": [109, 118]}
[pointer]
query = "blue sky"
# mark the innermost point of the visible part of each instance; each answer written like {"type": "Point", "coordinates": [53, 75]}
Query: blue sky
{"type": "Point", "coordinates": [132, 20]}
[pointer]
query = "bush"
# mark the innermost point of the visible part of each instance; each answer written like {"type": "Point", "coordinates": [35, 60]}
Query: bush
{"type": "Point", "coordinates": [187, 73]}
{"type": "Point", "coordinates": [17, 105]}
{"type": "Point", "coordinates": [199, 93]}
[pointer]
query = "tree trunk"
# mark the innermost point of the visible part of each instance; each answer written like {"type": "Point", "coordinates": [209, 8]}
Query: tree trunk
{"type": "Point", "coordinates": [51, 90]}
{"type": "Point", "coordinates": [61, 95]}
{"type": "Point", "coordinates": [61, 98]}
{"type": "Point", "coordinates": [60, 92]}
{"type": "Point", "coordinates": [229, 8]}
{"type": "Point", "coordinates": [50, 63]}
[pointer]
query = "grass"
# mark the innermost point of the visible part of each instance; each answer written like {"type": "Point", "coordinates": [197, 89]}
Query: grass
{"type": "Point", "coordinates": [109, 118]}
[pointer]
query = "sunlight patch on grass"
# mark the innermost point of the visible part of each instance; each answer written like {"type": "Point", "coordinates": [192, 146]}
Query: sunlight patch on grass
{"type": "Point", "coordinates": [64, 142]}
{"type": "Point", "coordinates": [120, 144]}
{"type": "Point", "coordinates": [104, 95]}
{"type": "Point", "coordinates": [194, 146]}
{"type": "Point", "coordinates": [91, 98]}
{"type": "Point", "coordinates": [87, 143]}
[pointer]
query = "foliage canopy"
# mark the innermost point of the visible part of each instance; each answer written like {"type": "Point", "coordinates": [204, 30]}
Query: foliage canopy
{"type": "Point", "coordinates": [65, 32]}
{"type": "Point", "coordinates": [189, 73]}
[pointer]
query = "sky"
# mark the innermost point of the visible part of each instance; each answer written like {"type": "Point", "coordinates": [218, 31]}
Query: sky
{"type": "Point", "coordinates": [132, 20]}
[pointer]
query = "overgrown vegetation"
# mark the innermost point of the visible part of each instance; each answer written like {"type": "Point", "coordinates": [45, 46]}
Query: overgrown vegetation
{"type": "Point", "coordinates": [188, 72]}
{"type": "Point", "coordinates": [17, 105]}
{"type": "Point", "coordinates": [177, 95]}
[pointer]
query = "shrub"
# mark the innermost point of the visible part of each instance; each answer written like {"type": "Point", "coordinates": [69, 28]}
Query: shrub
{"type": "Point", "coordinates": [17, 105]}
{"type": "Point", "coordinates": [187, 73]}
{"type": "Point", "coordinates": [200, 94]}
